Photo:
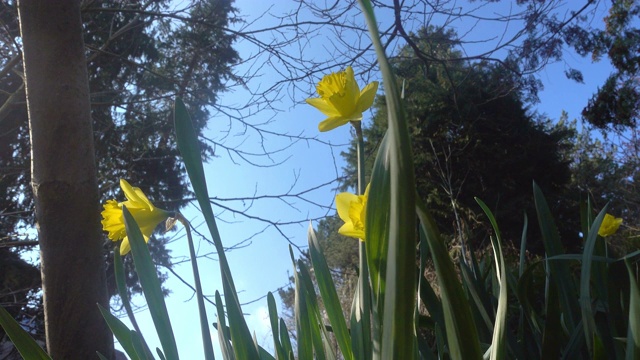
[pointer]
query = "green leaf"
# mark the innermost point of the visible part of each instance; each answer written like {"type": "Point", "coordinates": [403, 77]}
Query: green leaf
{"type": "Point", "coordinates": [285, 340]}
{"type": "Point", "coordinates": [499, 341]}
{"type": "Point", "coordinates": [124, 297]}
{"type": "Point", "coordinates": [588, 320]}
{"type": "Point", "coordinates": [552, 335]}
{"type": "Point", "coordinates": [374, 250]}
{"type": "Point", "coordinates": [319, 334]}
{"type": "Point", "coordinates": [150, 286]}
{"type": "Point", "coordinates": [329, 295]}
{"type": "Point", "coordinates": [120, 331]}
{"type": "Point", "coordinates": [188, 145]}
{"type": "Point", "coordinates": [202, 311]}
{"type": "Point", "coordinates": [303, 315]}
{"type": "Point", "coordinates": [633, 331]}
{"type": "Point", "coordinates": [273, 319]}
{"type": "Point", "coordinates": [400, 277]}
{"type": "Point", "coordinates": [28, 348]}
{"type": "Point", "coordinates": [559, 269]}
{"type": "Point", "coordinates": [462, 336]}
{"type": "Point", "coordinates": [223, 331]}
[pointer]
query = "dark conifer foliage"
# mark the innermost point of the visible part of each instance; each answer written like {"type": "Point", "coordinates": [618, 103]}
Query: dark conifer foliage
{"type": "Point", "coordinates": [140, 56]}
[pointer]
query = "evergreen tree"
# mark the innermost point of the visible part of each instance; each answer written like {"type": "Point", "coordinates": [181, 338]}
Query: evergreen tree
{"type": "Point", "coordinates": [139, 58]}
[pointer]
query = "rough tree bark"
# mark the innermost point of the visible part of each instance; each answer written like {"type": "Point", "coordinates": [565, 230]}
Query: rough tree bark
{"type": "Point", "coordinates": [64, 179]}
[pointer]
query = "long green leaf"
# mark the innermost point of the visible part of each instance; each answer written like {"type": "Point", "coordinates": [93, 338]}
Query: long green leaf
{"type": "Point", "coordinates": [588, 320]}
{"type": "Point", "coordinates": [28, 348]}
{"type": "Point", "coordinates": [223, 332]}
{"type": "Point", "coordinates": [318, 332]}
{"type": "Point", "coordinates": [121, 284]}
{"type": "Point", "coordinates": [329, 295]}
{"type": "Point", "coordinates": [398, 337]}
{"type": "Point", "coordinates": [633, 332]}
{"type": "Point", "coordinates": [498, 342]}
{"type": "Point", "coordinates": [462, 336]}
{"type": "Point", "coordinates": [552, 334]}
{"type": "Point", "coordinates": [559, 269]}
{"type": "Point", "coordinates": [150, 286]}
{"type": "Point", "coordinates": [303, 315]}
{"type": "Point", "coordinates": [273, 320]}
{"type": "Point", "coordinates": [285, 339]}
{"type": "Point", "coordinates": [376, 245]}
{"type": "Point", "coordinates": [188, 145]}
{"type": "Point", "coordinates": [120, 331]}
{"type": "Point", "coordinates": [202, 311]}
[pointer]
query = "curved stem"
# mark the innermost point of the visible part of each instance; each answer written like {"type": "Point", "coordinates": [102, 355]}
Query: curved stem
{"type": "Point", "coordinates": [204, 323]}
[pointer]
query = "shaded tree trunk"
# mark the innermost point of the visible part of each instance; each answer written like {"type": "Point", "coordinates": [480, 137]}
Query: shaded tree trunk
{"type": "Point", "coordinates": [64, 179]}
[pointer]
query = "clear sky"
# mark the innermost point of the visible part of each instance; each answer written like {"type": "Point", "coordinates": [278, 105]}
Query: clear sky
{"type": "Point", "coordinates": [263, 264]}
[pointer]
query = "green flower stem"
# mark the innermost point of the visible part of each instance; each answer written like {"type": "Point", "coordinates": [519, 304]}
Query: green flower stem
{"type": "Point", "coordinates": [362, 185]}
{"type": "Point", "coordinates": [204, 323]}
{"type": "Point", "coordinates": [364, 287]}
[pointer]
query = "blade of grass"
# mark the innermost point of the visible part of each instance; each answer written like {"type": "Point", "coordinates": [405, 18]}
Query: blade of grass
{"type": "Point", "coordinates": [27, 347]}
{"type": "Point", "coordinates": [150, 286]}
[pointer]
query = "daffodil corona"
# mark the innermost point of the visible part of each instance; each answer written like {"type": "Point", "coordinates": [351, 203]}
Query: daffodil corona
{"type": "Point", "coordinates": [146, 215]}
{"type": "Point", "coordinates": [352, 209]}
{"type": "Point", "coordinates": [609, 226]}
{"type": "Point", "coordinates": [341, 99]}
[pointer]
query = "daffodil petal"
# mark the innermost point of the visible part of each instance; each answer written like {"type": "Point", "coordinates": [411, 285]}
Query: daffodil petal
{"type": "Point", "coordinates": [332, 123]}
{"type": "Point", "coordinates": [323, 106]}
{"type": "Point", "coordinates": [144, 198]}
{"type": "Point", "coordinates": [367, 96]}
{"type": "Point", "coordinates": [125, 247]}
{"type": "Point", "coordinates": [609, 226]}
{"type": "Point", "coordinates": [132, 194]}
{"type": "Point", "coordinates": [349, 230]}
{"type": "Point", "coordinates": [343, 204]}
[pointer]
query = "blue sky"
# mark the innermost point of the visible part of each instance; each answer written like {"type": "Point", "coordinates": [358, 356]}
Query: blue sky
{"type": "Point", "coordinates": [263, 264]}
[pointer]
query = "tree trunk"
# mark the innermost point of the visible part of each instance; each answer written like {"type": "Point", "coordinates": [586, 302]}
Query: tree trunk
{"type": "Point", "coordinates": [64, 180]}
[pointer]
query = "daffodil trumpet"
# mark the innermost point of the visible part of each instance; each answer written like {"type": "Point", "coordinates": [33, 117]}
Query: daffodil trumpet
{"type": "Point", "coordinates": [341, 99]}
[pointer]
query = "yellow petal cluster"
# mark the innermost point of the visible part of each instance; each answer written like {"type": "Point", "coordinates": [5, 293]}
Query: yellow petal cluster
{"type": "Point", "coordinates": [341, 99]}
{"type": "Point", "coordinates": [352, 209]}
{"type": "Point", "coordinates": [609, 226]}
{"type": "Point", "coordinates": [146, 215]}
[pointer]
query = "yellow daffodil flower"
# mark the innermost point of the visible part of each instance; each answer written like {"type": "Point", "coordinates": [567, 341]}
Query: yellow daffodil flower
{"type": "Point", "coordinates": [352, 209]}
{"type": "Point", "coordinates": [609, 226]}
{"type": "Point", "coordinates": [341, 99]}
{"type": "Point", "coordinates": [146, 215]}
